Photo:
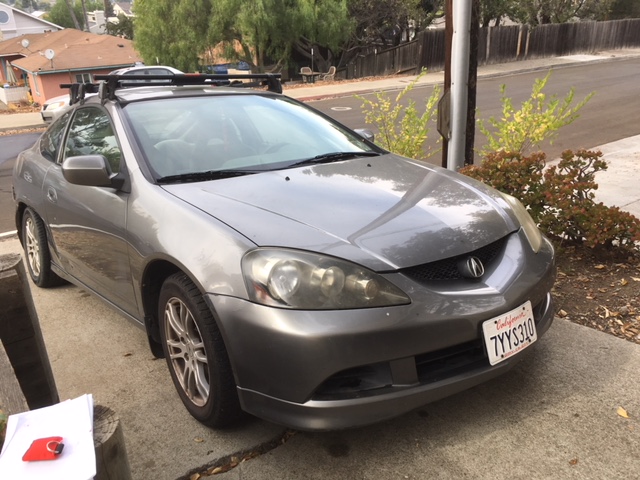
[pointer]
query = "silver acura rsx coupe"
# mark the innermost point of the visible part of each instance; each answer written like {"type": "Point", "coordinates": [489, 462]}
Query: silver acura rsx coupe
{"type": "Point", "coordinates": [283, 264]}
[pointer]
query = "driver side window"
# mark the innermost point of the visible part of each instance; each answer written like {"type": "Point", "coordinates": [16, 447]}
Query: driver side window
{"type": "Point", "coordinates": [91, 133]}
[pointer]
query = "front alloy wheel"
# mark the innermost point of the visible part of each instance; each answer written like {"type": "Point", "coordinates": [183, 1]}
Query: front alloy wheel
{"type": "Point", "coordinates": [196, 354]}
{"type": "Point", "coordinates": [186, 351]}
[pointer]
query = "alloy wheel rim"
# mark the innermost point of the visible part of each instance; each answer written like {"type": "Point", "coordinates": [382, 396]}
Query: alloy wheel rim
{"type": "Point", "coordinates": [186, 351]}
{"type": "Point", "coordinates": [33, 247]}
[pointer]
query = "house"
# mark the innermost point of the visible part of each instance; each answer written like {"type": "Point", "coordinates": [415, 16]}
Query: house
{"type": "Point", "coordinates": [14, 22]}
{"type": "Point", "coordinates": [41, 62]}
{"type": "Point", "coordinates": [97, 22]}
{"type": "Point", "coordinates": [122, 8]}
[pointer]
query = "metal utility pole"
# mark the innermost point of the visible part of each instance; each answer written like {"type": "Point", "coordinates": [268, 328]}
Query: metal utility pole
{"type": "Point", "coordinates": [459, 82]}
{"type": "Point", "coordinates": [473, 83]}
{"type": "Point", "coordinates": [444, 105]}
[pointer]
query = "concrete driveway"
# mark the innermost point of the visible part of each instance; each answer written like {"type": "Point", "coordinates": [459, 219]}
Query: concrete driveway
{"type": "Point", "coordinates": [554, 416]}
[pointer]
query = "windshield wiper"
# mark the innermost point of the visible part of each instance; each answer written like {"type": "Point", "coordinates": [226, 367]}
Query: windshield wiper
{"type": "Point", "coordinates": [332, 157]}
{"type": "Point", "coordinates": [204, 176]}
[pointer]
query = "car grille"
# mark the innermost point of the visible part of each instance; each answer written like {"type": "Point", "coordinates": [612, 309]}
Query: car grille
{"type": "Point", "coordinates": [447, 269]}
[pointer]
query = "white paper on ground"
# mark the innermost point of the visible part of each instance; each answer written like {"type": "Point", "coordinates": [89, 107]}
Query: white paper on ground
{"type": "Point", "coordinates": [73, 421]}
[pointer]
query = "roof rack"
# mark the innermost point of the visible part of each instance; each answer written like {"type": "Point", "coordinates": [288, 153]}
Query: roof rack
{"type": "Point", "coordinates": [109, 84]}
{"type": "Point", "coordinates": [77, 91]}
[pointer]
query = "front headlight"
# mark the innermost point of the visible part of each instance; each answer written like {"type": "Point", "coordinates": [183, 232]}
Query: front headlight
{"type": "Point", "coordinates": [531, 230]}
{"type": "Point", "coordinates": [304, 280]}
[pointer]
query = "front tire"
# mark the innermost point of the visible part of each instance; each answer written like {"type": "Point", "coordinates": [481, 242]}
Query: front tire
{"type": "Point", "coordinates": [196, 354]}
{"type": "Point", "coordinates": [36, 251]}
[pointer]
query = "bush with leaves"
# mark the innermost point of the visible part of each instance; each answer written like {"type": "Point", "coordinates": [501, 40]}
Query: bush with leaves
{"type": "Point", "coordinates": [539, 118]}
{"type": "Point", "coordinates": [560, 198]}
{"type": "Point", "coordinates": [402, 129]}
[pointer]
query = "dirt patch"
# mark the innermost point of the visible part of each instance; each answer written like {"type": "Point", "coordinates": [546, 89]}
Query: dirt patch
{"type": "Point", "coordinates": [600, 290]}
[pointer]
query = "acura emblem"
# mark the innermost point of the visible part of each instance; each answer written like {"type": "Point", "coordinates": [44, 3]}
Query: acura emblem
{"type": "Point", "coordinates": [471, 267]}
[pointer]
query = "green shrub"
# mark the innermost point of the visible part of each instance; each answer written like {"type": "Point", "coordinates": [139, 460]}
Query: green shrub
{"type": "Point", "coordinates": [539, 118]}
{"type": "Point", "coordinates": [560, 198]}
{"type": "Point", "coordinates": [402, 130]}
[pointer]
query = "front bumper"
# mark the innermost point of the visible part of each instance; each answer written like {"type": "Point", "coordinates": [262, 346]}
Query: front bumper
{"type": "Point", "coordinates": [325, 370]}
{"type": "Point", "coordinates": [378, 404]}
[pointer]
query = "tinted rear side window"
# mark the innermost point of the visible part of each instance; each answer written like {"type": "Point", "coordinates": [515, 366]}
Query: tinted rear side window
{"type": "Point", "coordinates": [52, 138]}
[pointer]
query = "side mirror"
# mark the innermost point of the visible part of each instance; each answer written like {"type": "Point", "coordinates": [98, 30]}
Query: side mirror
{"type": "Point", "coordinates": [365, 133]}
{"type": "Point", "coordinates": [91, 171]}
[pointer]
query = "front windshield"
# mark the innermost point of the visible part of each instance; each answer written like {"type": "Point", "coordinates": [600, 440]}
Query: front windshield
{"type": "Point", "coordinates": [228, 132]}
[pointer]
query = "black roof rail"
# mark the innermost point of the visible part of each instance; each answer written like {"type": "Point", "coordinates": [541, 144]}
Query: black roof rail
{"type": "Point", "coordinates": [111, 83]}
{"type": "Point", "coordinates": [108, 84]}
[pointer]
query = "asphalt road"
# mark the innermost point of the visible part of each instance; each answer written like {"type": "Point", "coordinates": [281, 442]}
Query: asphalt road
{"type": "Point", "coordinates": [10, 146]}
{"type": "Point", "coordinates": [612, 113]}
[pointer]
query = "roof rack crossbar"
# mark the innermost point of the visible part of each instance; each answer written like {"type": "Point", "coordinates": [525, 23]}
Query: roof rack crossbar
{"type": "Point", "coordinates": [115, 82]}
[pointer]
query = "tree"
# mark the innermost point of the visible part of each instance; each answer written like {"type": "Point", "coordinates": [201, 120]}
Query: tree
{"type": "Point", "coordinates": [538, 12]}
{"type": "Point", "coordinates": [494, 10]}
{"type": "Point", "coordinates": [387, 22]}
{"type": "Point", "coordinates": [624, 9]}
{"type": "Point", "coordinates": [267, 30]}
{"type": "Point", "coordinates": [108, 9]}
{"type": "Point", "coordinates": [172, 32]}
{"type": "Point", "coordinates": [122, 28]}
{"type": "Point", "coordinates": [84, 14]}
{"type": "Point", "coordinates": [70, 14]}
{"type": "Point", "coordinates": [326, 27]}
{"type": "Point", "coordinates": [26, 5]}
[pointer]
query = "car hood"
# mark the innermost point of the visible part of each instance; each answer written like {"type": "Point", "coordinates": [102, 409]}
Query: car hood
{"type": "Point", "coordinates": [383, 212]}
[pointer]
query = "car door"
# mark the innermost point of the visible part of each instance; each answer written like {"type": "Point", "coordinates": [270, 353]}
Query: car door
{"type": "Point", "coordinates": [88, 224]}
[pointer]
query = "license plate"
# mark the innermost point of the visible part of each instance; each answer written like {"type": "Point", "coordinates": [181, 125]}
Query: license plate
{"type": "Point", "coordinates": [509, 333]}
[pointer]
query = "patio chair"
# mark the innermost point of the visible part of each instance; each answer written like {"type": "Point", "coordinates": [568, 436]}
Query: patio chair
{"type": "Point", "coordinates": [329, 75]}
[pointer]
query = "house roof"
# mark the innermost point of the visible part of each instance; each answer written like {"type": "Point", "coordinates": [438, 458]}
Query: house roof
{"type": "Point", "coordinates": [73, 50]}
{"type": "Point", "coordinates": [19, 18]}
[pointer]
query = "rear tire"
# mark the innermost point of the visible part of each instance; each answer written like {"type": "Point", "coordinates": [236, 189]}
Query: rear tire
{"type": "Point", "coordinates": [196, 354]}
{"type": "Point", "coordinates": [36, 251]}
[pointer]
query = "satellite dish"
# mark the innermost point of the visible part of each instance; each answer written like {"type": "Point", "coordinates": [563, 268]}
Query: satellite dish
{"type": "Point", "coordinates": [25, 43]}
{"type": "Point", "coordinates": [49, 53]}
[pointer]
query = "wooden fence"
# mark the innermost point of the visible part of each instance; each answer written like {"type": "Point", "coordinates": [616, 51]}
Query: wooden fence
{"type": "Point", "coordinates": [499, 45]}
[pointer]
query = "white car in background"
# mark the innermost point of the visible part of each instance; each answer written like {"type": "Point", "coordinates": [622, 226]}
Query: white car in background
{"type": "Point", "coordinates": [53, 107]}
{"type": "Point", "coordinates": [56, 106]}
